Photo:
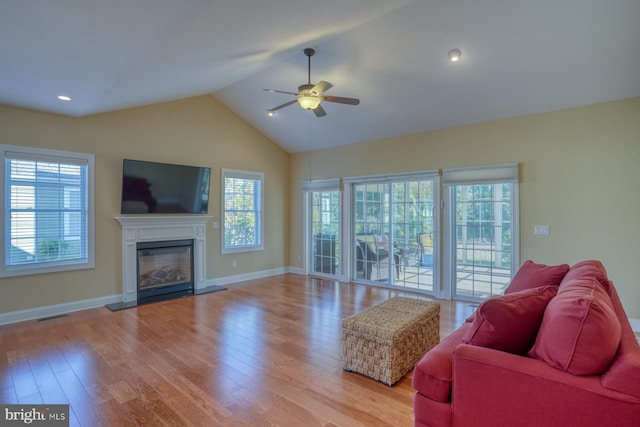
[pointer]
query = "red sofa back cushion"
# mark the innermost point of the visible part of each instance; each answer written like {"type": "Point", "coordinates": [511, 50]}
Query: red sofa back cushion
{"type": "Point", "coordinates": [593, 269]}
{"type": "Point", "coordinates": [580, 331]}
{"type": "Point", "coordinates": [533, 275]}
{"type": "Point", "coordinates": [510, 322]}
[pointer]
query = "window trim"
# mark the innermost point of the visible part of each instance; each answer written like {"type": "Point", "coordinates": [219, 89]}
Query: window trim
{"type": "Point", "coordinates": [9, 151]}
{"type": "Point", "coordinates": [242, 174]}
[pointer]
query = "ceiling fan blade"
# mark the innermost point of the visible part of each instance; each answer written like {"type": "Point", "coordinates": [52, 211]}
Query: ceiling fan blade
{"type": "Point", "coordinates": [319, 111]}
{"type": "Point", "coordinates": [279, 91]}
{"type": "Point", "coordinates": [341, 100]}
{"type": "Point", "coordinates": [321, 87]}
{"type": "Point", "coordinates": [283, 105]}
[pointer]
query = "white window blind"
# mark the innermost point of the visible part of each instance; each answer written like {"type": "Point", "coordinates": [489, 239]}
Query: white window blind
{"type": "Point", "coordinates": [321, 185]}
{"type": "Point", "coordinates": [396, 177]}
{"type": "Point", "coordinates": [479, 175]}
{"type": "Point", "coordinates": [242, 214]}
{"type": "Point", "coordinates": [47, 213]}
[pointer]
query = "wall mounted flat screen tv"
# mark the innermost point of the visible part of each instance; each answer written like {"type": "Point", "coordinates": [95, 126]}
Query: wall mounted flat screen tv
{"type": "Point", "coordinates": [163, 188]}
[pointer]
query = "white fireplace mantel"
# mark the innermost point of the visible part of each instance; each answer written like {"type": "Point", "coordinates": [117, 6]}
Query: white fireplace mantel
{"type": "Point", "coordinates": [150, 228]}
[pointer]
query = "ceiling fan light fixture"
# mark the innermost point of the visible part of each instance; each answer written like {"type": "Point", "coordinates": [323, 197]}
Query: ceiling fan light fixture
{"type": "Point", "coordinates": [309, 102]}
{"type": "Point", "coordinates": [309, 95]}
{"type": "Point", "coordinates": [454, 55]}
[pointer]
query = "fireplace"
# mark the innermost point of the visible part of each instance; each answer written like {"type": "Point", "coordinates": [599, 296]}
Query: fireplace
{"type": "Point", "coordinates": [165, 270]}
{"type": "Point", "coordinates": [138, 231]}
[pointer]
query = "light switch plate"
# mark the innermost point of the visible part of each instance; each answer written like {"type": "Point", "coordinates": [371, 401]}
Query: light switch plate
{"type": "Point", "coordinates": [542, 230]}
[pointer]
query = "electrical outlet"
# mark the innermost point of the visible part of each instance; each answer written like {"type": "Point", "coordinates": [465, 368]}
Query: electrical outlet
{"type": "Point", "coordinates": [233, 263]}
{"type": "Point", "coordinates": [541, 230]}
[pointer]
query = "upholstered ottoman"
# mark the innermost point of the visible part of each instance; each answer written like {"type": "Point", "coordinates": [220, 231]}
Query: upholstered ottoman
{"type": "Point", "coordinates": [385, 342]}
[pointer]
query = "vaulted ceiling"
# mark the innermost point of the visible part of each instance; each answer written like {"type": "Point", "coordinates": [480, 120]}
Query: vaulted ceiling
{"type": "Point", "coordinates": [518, 57]}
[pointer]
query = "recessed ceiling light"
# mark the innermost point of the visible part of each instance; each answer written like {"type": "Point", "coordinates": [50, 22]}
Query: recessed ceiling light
{"type": "Point", "coordinates": [454, 55]}
{"type": "Point", "coordinates": [64, 98]}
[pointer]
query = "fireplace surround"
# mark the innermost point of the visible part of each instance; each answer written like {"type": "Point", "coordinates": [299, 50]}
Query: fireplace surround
{"type": "Point", "coordinates": [141, 229]}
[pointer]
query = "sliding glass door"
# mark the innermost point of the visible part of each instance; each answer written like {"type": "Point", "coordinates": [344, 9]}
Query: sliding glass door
{"type": "Point", "coordinates": [390, 235]}
{"type": "Point", "coordinates": [483, 230]}
{"type": "Point", "coordinates": [394, 231]}
{"type": "Point", "coordinates": [324, 231]}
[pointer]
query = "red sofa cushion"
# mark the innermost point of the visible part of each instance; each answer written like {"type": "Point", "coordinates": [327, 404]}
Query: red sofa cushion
{"type": "Point", "coordinates": [580, 331]}
{"type": "Point", "coordinates": [533, 275]}
{"type": "Point", "coordinates": [589, 268]}
{"type": "Point", "coordinates": [433, 373]}
{"type": "Point", "coordinates": [510, 322]}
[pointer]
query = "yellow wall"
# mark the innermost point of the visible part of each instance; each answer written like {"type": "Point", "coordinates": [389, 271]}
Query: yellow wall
{"type": "Point", "coordinates": [197, 131]}
{"type": "Point", "coordinates": [580, 174]}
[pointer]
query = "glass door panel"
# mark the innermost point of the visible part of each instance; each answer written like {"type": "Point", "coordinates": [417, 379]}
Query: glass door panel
{"type": "Point", "coordinates": [414, 232]}
{"type": "Point", "coordinates": [371, 232]}
{"type": "Point", "coordinates": [325, 232]}
{"type": "Point", "coordinates": [394, 225]}
{"type": "Point", "coordinates": [482, 240]}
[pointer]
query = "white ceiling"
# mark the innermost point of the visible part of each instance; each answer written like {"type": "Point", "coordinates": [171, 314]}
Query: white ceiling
{"type": "Point", "coordinates": [518, 57]}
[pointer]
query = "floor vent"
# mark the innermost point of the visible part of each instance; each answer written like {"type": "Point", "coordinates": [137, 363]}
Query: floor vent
{"type": "Point", "coordinates": [52, 317]}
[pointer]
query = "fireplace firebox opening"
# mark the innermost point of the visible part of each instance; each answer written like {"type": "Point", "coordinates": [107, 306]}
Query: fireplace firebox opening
{"type": "Point", "coordinates": [165, 270]}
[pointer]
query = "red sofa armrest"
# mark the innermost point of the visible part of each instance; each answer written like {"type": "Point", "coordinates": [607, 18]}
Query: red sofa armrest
{"type": "Point", "coordinates": [493, 388]}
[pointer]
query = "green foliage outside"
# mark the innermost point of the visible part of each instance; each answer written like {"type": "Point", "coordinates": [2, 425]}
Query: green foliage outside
{"type": "Point", "coordinates": [52, 249]}
{"type": "Point", "coordinates": [483, 224]}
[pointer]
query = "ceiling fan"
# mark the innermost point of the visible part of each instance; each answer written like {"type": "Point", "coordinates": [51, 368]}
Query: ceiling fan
{"type": "Point", "coordinates": [309, 96]}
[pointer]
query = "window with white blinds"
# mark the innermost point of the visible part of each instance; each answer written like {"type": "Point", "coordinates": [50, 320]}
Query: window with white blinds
{"type": "Point", "coordinates": [48, 211]}
{"type": "Point", "coordinates": [242, 211]}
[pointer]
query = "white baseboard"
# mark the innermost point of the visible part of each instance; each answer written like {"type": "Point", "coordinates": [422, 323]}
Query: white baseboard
{"type": "Point", "coordinates": [635, 325]}
{"type": "Point", "coordinates": [222, 281]}
{"type": "Point", "coordinates": [296, 270]}
{"type": "Point", "coordinates": [57, 309]}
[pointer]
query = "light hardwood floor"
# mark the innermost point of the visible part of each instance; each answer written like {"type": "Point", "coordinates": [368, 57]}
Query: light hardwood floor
{"type": "Point", "coordinates": [262, 353]}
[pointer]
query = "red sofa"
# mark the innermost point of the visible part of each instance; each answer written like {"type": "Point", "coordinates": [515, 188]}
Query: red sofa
{"type": "Point", "coordinates": [556, 350]}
